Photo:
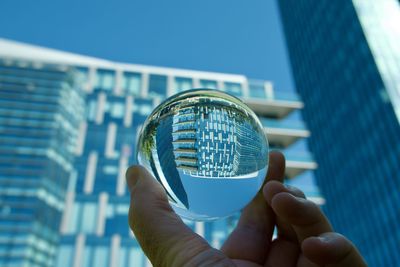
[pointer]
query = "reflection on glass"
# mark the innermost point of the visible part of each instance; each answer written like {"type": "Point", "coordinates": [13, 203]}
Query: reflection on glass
{"type": "Point", "coordinates": [65, 256]}
{"type": "Point", "coordinates": [117, 110]}
{"type": "Point", "coordinates": [100, 258]}
{"type": "Point", "coordinates": [105, 79]}
{"type": "Point", "coordinates": [256, 89]}
{"type": "Point", "coordinates": [208, 84]}
{"type": "Point", "coordinates": [88, 225]}
{"type": "Point", "coordinates": [131, 82]}
{"type": "Point", "coordinates": [208, 150]}
{"type": "Point", "coordinates": [233, 88]}
{"type": "Point", "coordinates": [157, 85]}
{"type": "Point", "coordinates": [183, 84]}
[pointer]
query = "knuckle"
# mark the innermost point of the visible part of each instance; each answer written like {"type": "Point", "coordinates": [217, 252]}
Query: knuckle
{"type": "Point", "coordinates": [148, 193]}
{"type": "Point", "coordinates": [295, 191]}
{"type": "Point", "coordinates": [200, 255]}
{"type": "Point", "coordinates": [130, 171]}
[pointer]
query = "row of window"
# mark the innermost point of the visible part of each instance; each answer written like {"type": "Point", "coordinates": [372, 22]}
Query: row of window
{"type": "Point", "coordinates": [117, 109]}
{"type": "Point", "coordinates": [85, 216]}
{"type": "Point", "coordinates": [100, 256]}
{"type": "Point", "coordinates": [132, 84]}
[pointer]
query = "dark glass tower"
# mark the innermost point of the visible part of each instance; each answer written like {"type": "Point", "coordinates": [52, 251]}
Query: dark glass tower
{"type": "Point", "coordinates": [345, 58]}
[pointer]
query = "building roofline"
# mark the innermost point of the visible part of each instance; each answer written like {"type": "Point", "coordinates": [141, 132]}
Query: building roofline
{"type": "Point", "coordinates": [18, 50]}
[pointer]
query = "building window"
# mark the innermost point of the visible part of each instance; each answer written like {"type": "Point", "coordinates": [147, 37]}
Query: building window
{"type": "Point", "coordinates": [256, 89]}
{"type": "Point", "coordinates": [105, 79]}
{"type": "Point", "coordinates": [91, 110]}
{"type": "Point", "coordinates": [145, 109]}
{"type": "Point", "coordinates": [65, 254]}
{"type": "Point", "coordinates": [82, 76]}
{"type": "Point", "coordinates": [208, 84]}
{"type": "Point", "coordinates": [101, 256]}
{"type": "Point", "coordinates": [88, 218]}
{"type": "Point", "coordinates": [157, 85]}
{"type": "Point", "coordinates": [87, 256]}
{"type": "Point", "coordinates": [233, 88]}
{"type": "Point", "coordinates": [135, 257]}
{"type": "Point", "coordinates": [117, 110]}
{"type": "Point", "coordinates": [122, 258]}
{"type": "Point", "coordinates": [132, 83]}
{"type": "Point", "coordinates": [76, 211]}
{"type": "Point", "coordinates": [182, 84]}
{"type": "Point", "coordinates": [110, 170]}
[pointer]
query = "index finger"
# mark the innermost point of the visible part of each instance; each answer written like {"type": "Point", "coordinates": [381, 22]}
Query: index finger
{"type": "Point", "coordinates": [304, 215]}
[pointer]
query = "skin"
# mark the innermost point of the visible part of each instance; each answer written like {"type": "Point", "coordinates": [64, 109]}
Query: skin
{"type": "Point", "coordinates": [305, 236]}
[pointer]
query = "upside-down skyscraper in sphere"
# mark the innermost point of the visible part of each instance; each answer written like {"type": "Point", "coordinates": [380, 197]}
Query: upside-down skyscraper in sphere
{"type": "Point", "coordinates": [345, 58]}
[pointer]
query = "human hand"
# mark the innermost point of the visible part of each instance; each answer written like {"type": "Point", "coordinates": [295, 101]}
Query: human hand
{"type": "Point", "coordinates": [305, 236]}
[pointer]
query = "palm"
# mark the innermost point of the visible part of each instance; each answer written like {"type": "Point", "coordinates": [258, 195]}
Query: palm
{"type": "Point", "coordinates": [280, 252]}
{"type": "Point", "coordinates": [251, 243]}
{"type": "Point", "coordinates": [304, 234]}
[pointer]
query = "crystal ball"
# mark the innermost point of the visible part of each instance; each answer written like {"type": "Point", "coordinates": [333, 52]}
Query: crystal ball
{"type": "Point", "coordinates": [208, 150]}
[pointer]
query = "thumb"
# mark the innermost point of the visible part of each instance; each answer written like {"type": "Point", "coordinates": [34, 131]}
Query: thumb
{"type": "Point", "coordinates": [332, 249]}
{"type": "Point", "coordinates": [163, 236]}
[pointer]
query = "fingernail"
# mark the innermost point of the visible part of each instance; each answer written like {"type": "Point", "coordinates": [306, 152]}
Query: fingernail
{"type": "Point", "coordinates": [291, 190]}
{"type": "Point", "coordinates": [289, 187]}
{"type": "Point", "coordinates": [133, 182]}
{"type": "Point", "coordinates": [132, 178]}
{"type": "Point", "coordinates": [326, 238]}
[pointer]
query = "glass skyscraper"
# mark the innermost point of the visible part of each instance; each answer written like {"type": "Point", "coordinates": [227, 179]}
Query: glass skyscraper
{"type": "Point", "coordinates": [41, 107]}
{"type": "Point", "coordinates": [345, 57]}
{"type": "Point", "coordinates": [85, 222]}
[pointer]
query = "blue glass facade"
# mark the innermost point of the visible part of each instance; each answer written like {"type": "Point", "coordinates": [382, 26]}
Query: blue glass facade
{"type": "Point", "coordinates": [93, 229]}
{"type": "Point", "coordinates": [345, 57]}
{"type": "Point", "coordinates": [40, 109]}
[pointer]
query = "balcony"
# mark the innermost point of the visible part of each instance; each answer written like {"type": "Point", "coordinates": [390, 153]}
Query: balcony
{"type": "Point", "coordinates": [298, 162]}
{"type": "Point", "coordinates": [284, 133]}
{"type": "Point", "coordinates": [277, 106]}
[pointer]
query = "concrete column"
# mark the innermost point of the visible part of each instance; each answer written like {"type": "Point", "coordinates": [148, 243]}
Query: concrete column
{"type": "Point", "coordinates": [79, 250]}
{"type": "Point", "coordinates": [69, 204]}
{"type": "Point", "coordinates": [118, 90]}
{"type": "Point", "coordinates": [101, 214]}
{"type": "Point", "coordinates": [269, 89]}
{"type": "Point", "coordinates": [80, 142]}
{"type": "Point", "coordinates": [114, 252]}
{"type": "Point", "coordinates": [90, 172]}
{"type": "Point", "coordinates": [110, 140]}
{"type": "Point", "coordinates": [144, 91]}
{"type": "Point", "coordinates": [121, 183]}
{"type": "Point", "coordinates": [128, 111]}
{"type": "Point", "coordinates": [101, 105]}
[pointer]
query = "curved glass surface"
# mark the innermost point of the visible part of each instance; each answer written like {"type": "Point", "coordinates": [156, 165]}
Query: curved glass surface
{"type": "Point", "coordinates": [208, 150]}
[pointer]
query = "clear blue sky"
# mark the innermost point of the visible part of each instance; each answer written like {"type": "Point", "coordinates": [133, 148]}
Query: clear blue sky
{"type": "Point", "coordinates": [233, 36]}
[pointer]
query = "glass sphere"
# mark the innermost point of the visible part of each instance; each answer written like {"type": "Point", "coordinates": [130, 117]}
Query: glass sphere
{"type": "Point", "coordinates": [208, 150]}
